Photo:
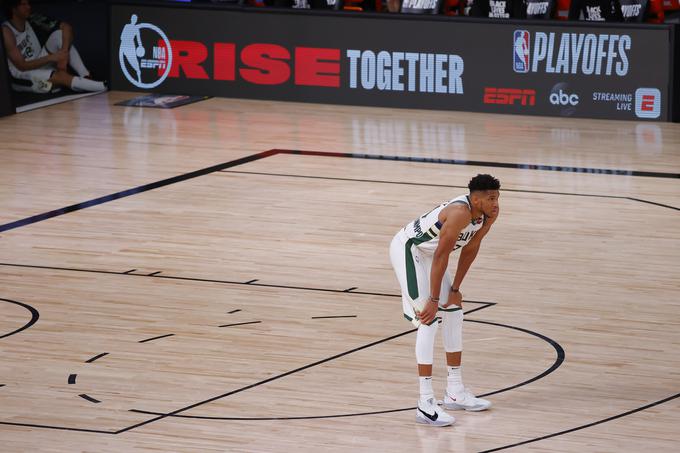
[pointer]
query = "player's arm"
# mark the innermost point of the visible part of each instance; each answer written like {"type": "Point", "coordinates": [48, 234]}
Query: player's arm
{"type": "Point", "coordinates": [66, 41]}
{"type": "Point", "coordinates": [14, 54]}
{"type": "Point", "coordinates": [453, 218]}
{"type": "Point", "coordinates": [466, 258]}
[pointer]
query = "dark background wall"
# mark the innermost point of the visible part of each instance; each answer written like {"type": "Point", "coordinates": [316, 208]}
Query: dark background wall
{"type": "Point", "coordinates": [6, 106]}
{"type": "Point", "coordinates": [90, 22]}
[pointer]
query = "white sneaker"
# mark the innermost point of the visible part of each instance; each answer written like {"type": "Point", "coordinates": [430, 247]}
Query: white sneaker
{"type": "Point", "coordinates": [428, 413]}
{"type": "Point", "coordinates": [41, 86]}
{"type": "Point", "coordinates": [465, 401]}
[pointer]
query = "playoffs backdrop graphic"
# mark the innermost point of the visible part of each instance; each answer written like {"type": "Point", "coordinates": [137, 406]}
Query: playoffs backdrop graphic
{"type": "Point", "coordinates": [549, 69]}
{"type": "Point", "coordinates": [145, 66]}
{"type": "Point", "coordinates": [572, 53]}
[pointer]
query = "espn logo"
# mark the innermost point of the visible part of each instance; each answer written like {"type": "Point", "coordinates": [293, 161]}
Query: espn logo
{"type": "Point", "coordinates": [520, 54]}
{"type": "Point", "coordinates": [509, 96]}
{"type": "Point", "coordinates": [647, 103]}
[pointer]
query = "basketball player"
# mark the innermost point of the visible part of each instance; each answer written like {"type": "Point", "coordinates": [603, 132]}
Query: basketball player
{"type": "Point", "coordinates": [38, 68]}
{"type": "Point", "coordinates": [420, 256]}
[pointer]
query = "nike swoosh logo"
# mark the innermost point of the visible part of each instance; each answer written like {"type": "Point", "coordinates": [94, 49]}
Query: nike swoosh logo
{"type": "Point", "coordinates": [432, 417]}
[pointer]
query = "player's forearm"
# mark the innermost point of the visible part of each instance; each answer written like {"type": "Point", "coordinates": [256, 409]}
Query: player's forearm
{"type": "Point", "coordinates": [467, 257]}
{"type": "Point", "coordinates": [29, 65]}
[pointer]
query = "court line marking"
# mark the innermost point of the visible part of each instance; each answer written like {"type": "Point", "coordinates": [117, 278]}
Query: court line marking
{"type": "Point", "coordinates": [542, 192]}
{"type": "Point", "coordinates": [253, 157]}
{"type": "Point", "coordinates": [139, 189]}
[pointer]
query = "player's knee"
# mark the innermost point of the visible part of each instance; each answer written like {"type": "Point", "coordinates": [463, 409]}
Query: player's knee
{"type": "Point", "coordinates": [65, 27]}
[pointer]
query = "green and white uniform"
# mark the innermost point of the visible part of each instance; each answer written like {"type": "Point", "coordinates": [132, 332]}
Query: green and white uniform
{"type": "Point", "coordinates": [411, 253]}
{"type": "Point", "coordinates": [31, 49]}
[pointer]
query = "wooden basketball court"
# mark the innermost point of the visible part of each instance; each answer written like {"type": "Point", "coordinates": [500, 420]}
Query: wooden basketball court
{"type": "Point", "coordinates": [216, 278]}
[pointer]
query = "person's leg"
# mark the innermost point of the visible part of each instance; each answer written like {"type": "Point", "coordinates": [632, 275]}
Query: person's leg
{"type": "Point", "coordinates": [63, 39]}
{"type": "Point", "coordinates": [63, 78]}
{"type": "Point", "coordinates": [427, 412]}
{"type": "Point", "coordinates": [456, 396]}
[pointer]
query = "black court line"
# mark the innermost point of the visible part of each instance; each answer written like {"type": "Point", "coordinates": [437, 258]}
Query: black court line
{"type": "Point", "coordinates": [130, 271]}
{"type": "Point", "coordinates": [559, 351]}
{"type": "Point", "coordinates": [201, 417]}
{"type": "Point", "coordinates": [99, 356]}
{"type": "Point", "coordinates": [264, 381]}
{"type": "Point", "coordinates": [133, 191]}
{"type": "Point", "coordinates": [250, 281]}
{"type": "Point", "coordinates": [654, 203]}
{"type": "Point", "coordinates": [208, 280]}
{"type": "Point", "coordinates": [350, 289]}
{"type": "Point", "coordinates": [272, 152]}
{"type": "Point", "coordinates": [240, 323]}
{"type": "Point", "coordinates": [588, 425]}
{"type": "Point", "coordinates": [156, 338]}
{"type": "Point", "coordinates": [34, 317]}
{"type": "Point", "coordinates": [220, 167]}
{"type": "Point", "coordinates": [72, 378]}
{"type": "Point", "coordinates": [484, 305]}
{"type": "Point", "coordinates": [89, 398]}
{"type": "Point", "coordinates": [234, 311]}
{"type": "Point", "coordinates": [479, 163]}
{"type": "Point", "coordinates": [334, 317]}
{"type": "Point", "coordinates": [161, 416]}
{"type": "Point", "coordinates": [419, 184]}
{"type": "Point", "coordinates": [153, 274]}
{"type": "Point", "coordinates": [59, 428]}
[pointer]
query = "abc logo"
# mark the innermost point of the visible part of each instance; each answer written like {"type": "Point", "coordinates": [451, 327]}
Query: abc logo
{"type": "Point", "coordinates": [562, 98]}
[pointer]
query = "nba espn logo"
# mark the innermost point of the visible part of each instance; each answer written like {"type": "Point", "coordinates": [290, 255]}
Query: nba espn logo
{"type": "Point", "coordinates": [647, 103]}
{"type": "Point", "coordinates": [520, 62]}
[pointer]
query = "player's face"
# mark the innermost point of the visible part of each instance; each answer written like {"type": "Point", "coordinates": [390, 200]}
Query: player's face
{"type": "Point", "coordinates": [22, 10]}
{"type": "Point", "coordinates": [489, 202]}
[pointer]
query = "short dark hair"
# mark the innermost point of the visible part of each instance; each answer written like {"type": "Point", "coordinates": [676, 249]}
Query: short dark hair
{"type": "Point", "coordinates": [484, 182]}
{"type": "Point", "coordinates": [8, 6]}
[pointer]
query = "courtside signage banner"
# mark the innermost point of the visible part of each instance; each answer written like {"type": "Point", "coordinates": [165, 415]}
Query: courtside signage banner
{"type": "Point", "coordinates": [579, 71]}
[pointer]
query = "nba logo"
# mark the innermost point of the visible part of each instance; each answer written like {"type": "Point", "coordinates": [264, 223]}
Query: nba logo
{"type": "Point", "coordinates": [647, 103]}
{"type": "Point", "coordinates": [521, 51]}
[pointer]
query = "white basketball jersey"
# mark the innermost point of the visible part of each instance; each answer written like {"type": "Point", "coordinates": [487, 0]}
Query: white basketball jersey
{"type": "Point", "coordinates": [27, 42]}
{"type": "Point", "coordinates": [424, 231]}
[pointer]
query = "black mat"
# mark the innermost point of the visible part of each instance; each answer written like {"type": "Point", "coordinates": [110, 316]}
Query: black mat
{"type": "Point", "coordinates": [162, 101]}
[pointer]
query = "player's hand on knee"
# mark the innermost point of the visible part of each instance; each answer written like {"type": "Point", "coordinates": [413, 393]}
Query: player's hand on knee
{"type": "Point", "coordinates": [429, 312]}
{"type": "Point", "coordinates": [455, 298]}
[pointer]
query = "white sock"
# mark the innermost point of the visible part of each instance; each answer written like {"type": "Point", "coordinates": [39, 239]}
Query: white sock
{"type": "Point", "coordinates": [76, 62]}
{"type": "Point", "coordinates": [80, 84]}
{"type": "Point", "coordinates": [426, 391]}
{"type": "Point", "coordinates": [454, 380]}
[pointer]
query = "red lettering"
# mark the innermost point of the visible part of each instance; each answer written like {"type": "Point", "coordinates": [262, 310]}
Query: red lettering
{"type": "Point", "coordinates": [317, 67]}
{"type": "Point", "coordinates": [265, 64]}
{"type": "Point", "coordinates": [224, 61]}
{"type": "Point", "coordinates": [515, 97]}
{"type": "Point", "coordinates": [489, 95]}
{"type": "Point", "coordinates": [647, 103]}
{"type": "Point", "coordinates": [188, 55]}
{"type": "Point", "coordinates": [509, 96]}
